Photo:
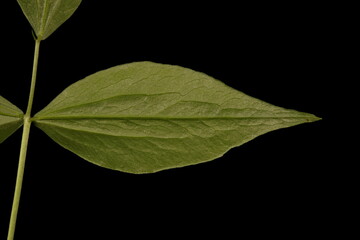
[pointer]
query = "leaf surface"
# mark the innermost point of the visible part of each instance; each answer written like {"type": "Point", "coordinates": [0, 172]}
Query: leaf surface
{"type": "Point", "coordinates": [144, 117]}
{"type": "Point", "coordinates": [10, 118]}
{"type": "Point", "coordinates": [45, 16]}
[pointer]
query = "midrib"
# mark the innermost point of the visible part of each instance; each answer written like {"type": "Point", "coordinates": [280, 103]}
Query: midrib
{"type": "Point", "coordinates": [170, 118]}
{"type": "Point", "coordinates": [44, 17]}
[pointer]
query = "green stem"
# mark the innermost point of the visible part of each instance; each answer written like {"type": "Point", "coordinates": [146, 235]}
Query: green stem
{"type": "Point", "coordinates": [24, 145]}
{"type": "Point", "coordinates": [19, 178]}
{"type": "Point", "coordinates": [33, 78]}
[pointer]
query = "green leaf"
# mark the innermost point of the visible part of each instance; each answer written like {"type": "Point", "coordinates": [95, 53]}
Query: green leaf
{"type": "Point", "coordinates": [45, 16]}
{"type": "Point", "coordinates": [10, 118]}
{"type": "Point", "coordinates": [145, 117]}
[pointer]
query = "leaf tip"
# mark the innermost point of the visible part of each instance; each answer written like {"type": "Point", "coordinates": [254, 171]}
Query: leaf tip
{"type": "Point", "coordinates": [313, 118]}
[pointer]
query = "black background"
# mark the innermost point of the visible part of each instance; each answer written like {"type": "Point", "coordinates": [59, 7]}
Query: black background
{"type": "Point", "coordinates": [278, 184]}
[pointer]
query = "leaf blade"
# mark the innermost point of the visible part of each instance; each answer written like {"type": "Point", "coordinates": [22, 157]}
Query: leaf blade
{"type": "Point", "coordinates": [45, 16]}
{"type": "Point", "coordinates": [10, 119]}
{"type": "Point", "coordinates": [146, 117]}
